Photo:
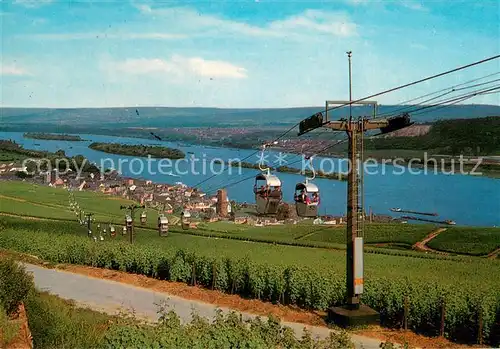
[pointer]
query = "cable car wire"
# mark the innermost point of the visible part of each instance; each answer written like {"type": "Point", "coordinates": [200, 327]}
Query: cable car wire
{"type": "Point", "coordinates": [375, 95]}
{"type": "Point", "coordinates": [418, 81]}
{"type": "Point", "coordinates": [455, 99]}
{"type": "Point", "coordinates": [405, 103]}
{"type": "Point", "coordinates": [292, 163]}
{"type": "Point", "coordinates": [249, 156]}
{"type": "Point", "coordinates": [422, 110]}
{"type": "Point", "coordinates": [409, 107]}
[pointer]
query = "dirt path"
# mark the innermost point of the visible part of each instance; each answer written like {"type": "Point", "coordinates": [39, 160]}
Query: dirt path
{"type": "Point", "coordinates": [111, 297]}
{"type": "Point", "coordinates": [494, 254]}
{"type": "Point", "coordinates": [25, 217]}
{"type": "Point", "coordinates": [50, 205]}
{"type": "Point", "coordinates": [111, 291]}
{"type": "Point", "coordinates": [11, 198]}
{"type": "Point", "coordinates": [183, 298]}
{"type": "Point", "coordinates": [195, 294]}
{"type": "Point", "coordinates": [422, 245]}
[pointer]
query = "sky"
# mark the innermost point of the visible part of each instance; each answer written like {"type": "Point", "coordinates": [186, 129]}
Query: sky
{"type": "Point", "coordinates": [238, 54]}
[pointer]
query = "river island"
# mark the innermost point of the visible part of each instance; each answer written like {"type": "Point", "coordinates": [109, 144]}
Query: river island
{"type": "Point", "coordinates": [52, 136]}
{"type": "Point", "coordinates": [138, 150]}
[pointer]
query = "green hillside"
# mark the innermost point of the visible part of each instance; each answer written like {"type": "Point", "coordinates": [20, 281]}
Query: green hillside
{"type": "Point", "coordinates": [460, 136]}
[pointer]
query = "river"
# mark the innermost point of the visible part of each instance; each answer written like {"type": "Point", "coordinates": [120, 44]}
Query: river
{"type": "Point", "coordinates": [466, 199]}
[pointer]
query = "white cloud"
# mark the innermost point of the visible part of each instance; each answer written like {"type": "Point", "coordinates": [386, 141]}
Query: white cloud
{"type": "Point", "coordinates": [180, 66]}
{"type": "Point", "coordinates": [32, 3]}
{"type": "Point", "coordinates": [418, 46]}
{"type": "Point", "coordinates": [102, 35]}
{"type": "Point", "coordinates": [318, 22]}
{"type": "Point", "coordinates": [39, 21]}
{"type": "Point", "coordinates": [13, 70]}
{"type": "Point", "coordinates": [185, 22]}
{"type": "Point", "coordinates": [410, 4]}
{"type": "Point", "coordinates": [358, 2]}
{"type": "Point", "coordinates": [413, 5]}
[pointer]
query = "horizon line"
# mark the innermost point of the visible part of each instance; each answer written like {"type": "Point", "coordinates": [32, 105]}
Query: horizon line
{"type": "Point", "coordinates": [241, 108]}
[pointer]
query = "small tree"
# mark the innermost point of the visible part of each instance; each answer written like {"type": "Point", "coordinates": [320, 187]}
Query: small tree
{"type": "Point", "coordinates": [209, 214]}
{"type": "Point", "coordinates": [286, 211]}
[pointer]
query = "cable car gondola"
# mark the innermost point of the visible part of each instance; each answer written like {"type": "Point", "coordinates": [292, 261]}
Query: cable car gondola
{"type": "Point", "coordinates": [144, 218]}
{"type": "Point", "coordinates": [162, 225]}
{"type": "Point", "coordinates": [307, 197]}
{"type": "Point", "coordinates": [267, 190]}
{"type": "Point", "coordinates": [128, 224]}
{"type": "Point", "coordinates": [185, 219]}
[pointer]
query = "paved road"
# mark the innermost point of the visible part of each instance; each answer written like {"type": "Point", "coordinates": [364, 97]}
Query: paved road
{"type": "Point", "coordinates": [111, 297]}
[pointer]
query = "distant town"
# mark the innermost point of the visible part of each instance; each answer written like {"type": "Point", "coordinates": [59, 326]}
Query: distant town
{"type": "Point", "coordinates": [169, 199]}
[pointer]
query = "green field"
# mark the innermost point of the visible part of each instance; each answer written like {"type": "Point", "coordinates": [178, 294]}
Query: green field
{"type": "Point", "coordinates": [465, 240]}
{"type": "Point", "coordinates": [395, 235]}
{"type": "Point", "coordinates": [278, 254]}
{"type": "Point", "coordinates": [309, 277]}
{"type": "Point", "coordinates": [28, 199]}
{"type": "Point", "coordinates": [22, 198]}
{"type": "Point", "coordinates": [374, 233]}
{"type": "Point", "coordinates": [230, 257]}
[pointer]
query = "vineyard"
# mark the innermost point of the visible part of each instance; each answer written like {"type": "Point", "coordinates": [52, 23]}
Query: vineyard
{"type": "Point", "coordinates": [374, 232]}
{"type": "Point", "coordinates": [467, 241]}
{"type": "Point", "coordinates": [306, 277]}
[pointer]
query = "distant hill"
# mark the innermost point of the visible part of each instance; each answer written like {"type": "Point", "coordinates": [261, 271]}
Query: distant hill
{"type": "Point", "coordinates": [164, 117]}
{"type": "Point", "coordinates": [461, 136]}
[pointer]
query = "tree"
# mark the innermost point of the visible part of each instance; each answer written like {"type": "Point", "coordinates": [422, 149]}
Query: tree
{"type": "Point", "coordinates": [234, 206]}
{"type": "Point", "coordinates": [209, 214]}
{"type": "Point", "coordinates": [286, 211]}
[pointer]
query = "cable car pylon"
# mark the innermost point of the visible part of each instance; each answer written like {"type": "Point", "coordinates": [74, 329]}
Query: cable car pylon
{"type": "Point", "coordinates": [353, 313]}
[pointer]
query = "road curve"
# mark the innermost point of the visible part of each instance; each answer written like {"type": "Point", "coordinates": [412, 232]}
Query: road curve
{"type": "Point", "coordinates": [111, 297]}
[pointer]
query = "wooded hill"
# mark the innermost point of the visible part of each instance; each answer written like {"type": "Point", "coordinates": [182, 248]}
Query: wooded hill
{"type": "Point", "coordinates": [452, 137]}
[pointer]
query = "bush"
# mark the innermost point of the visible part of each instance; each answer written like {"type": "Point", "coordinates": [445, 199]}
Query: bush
{"type": "Point", "coordinates": [8, 329]}
{"type": "Point", "coordinates": [15, 285]}
{"type": "Point", "coordinates": [56, 323]}
{"type": "Point", "coordinates": [226, 331]}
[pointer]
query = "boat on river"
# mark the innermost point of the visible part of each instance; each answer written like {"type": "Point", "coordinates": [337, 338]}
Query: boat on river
{"type": "Point", "coordinates": [397, 209]}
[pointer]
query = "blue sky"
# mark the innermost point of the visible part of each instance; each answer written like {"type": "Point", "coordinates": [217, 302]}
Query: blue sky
{"type": "Point", "coordinates": [219, 53]}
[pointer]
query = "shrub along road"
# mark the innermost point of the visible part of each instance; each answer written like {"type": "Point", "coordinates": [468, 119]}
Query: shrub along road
{"type": "Point", "coordinates": [112, 297]}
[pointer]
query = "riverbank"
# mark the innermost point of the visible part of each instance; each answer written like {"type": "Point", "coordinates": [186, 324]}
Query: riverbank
{"type": "Point", "coordinates": [447, 194]}
{"type": "Point", "coordinates": [324, 146]}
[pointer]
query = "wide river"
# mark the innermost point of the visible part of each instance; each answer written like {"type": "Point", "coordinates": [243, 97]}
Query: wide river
{"type": "Point", "coordinates": [466, 199]}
